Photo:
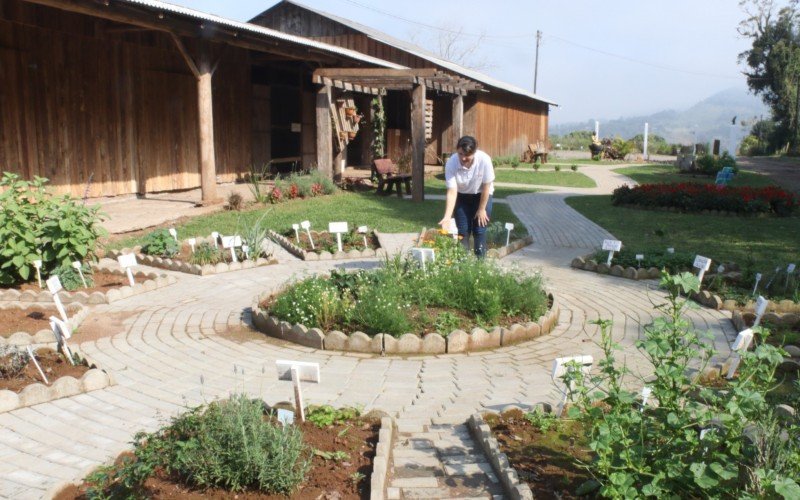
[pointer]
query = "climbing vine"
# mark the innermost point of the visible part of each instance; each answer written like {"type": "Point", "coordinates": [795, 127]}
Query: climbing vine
{"type": "Point", "coordinates": [378, 144]}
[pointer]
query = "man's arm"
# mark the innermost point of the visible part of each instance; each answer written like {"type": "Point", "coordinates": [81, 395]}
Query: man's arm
{"type": "Point", "coordinates": [449, 206]}
{"type": "Point", "coordinates": [481, 215]}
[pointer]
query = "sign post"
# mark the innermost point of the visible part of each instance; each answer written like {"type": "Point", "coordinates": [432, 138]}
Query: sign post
{"type": "Point", "coordinates": [232, 242]}
{"type": "Point", "coordinates": [307, 226]}
{"type": "Point", "coordinates": [215, 237]}
{"type": "Point", "coordinates": [741, 344]}
{"type": "Point", "coordinates": [338, 228]}
{"type": "Point", "coordinates": [192, 242]}
{"type": "Point", "coordinates": [38, 366]}
{"type": "Point", "coordinates": [127, 261]}
{"type": "Point", "coordinates": [77, 265]}
{"type": "Point", "coordinates": [570, 363]}
{"type": "Point", "coordinates": [761, 308]}
{"type": "Point", "coordinates": [296, 228]}
{"type": "Point", "coordinates": [54, 286]}
{"type": "Point", "coordinates": [789, 270]}
{"type": "Point", "coordinates": [298, 371]}
{"type": "Point", "coordinates": [423, 254]}
{"type": "Point", "coordinates": [173, 233]}
{"type": "Point", "coordinates": [62, 332]}
{"type": "Point", "coordinates": [703, 264]}
{"type": "Point", "coordinates": [755, 287]}
{"type": "Point", "coordinates": [363, 230]}
{"type": "Point", "coordinates": [38, 265]}
{"type": "Point", "coordinates": [639, 259]}
{"type": "Point", "coordinates": [612, 246]}
{"type": "Point", "coordinates": [509, 228]}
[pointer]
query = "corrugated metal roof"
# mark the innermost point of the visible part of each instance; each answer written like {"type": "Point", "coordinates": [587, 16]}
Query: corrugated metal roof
{"type": "Point", "coordinates": [424, 54]}
{"type": "Point", "coordinates": [260, 30]}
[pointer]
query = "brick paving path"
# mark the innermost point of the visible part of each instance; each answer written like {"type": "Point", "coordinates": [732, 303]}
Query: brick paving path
{"type": "Point", "coordinates": [189, 343]}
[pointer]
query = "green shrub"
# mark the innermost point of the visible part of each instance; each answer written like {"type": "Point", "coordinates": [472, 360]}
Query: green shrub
{"type": "Point", "coordinates": [160, 244]}
{"type": "Point", "coordinates": [311, 302]}
{"type": "Point", "coordinates": [227, 444]}
{"type": "Point", "coordinates": [37, 225]}
{"type": "Point", "coordinates": [206, 253]}
{"type": "Point", "coordinates": [573, 167]}
{"type": "Point", "coordinates": [71, 279]}
{"type": "Point", "coordinates": [557, 167]}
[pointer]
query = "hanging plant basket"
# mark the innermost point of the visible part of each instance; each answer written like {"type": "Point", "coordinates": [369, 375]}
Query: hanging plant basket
{"type": "Point", "coordinates": [350, 111]}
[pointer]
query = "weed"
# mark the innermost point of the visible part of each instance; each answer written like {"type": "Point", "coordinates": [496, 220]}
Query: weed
{"type": "Point", "coordinates": [235, 201]}
{"type": "Point", "coordinates": [206, 253]}
{"type": "Point", "coordinates": [160, 243]}
{"type": "Point", "coordinates": [540, 420]}
{"type": "Point", "coordinates": [326, 415]}
{"type": "Point", "coordinates": [336, 456]}
{"type": "Point", "coordinates": [71, 279]}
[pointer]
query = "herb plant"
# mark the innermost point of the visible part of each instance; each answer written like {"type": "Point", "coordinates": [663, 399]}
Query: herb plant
{"type": "Point", "coordinates": [161, 244]}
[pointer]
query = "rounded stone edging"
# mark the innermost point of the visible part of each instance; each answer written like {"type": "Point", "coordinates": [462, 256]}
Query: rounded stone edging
{"type": "Point", "coordinates": [66, 386]}
{"type": "Point", "coordinates": [153, 282]}
{"type": "Point", "coordinates": [185, 267]}
{"type": "Point", "coordinates": [458, 341]}
{"type": "Point", "coordinates": [298, 252]}
{"type": "Point", "coordinates": [587, 263]}
{"type": "Point", "coordinates": [509, 479]}
{"type": "Point", "coordinates": [495, 253]}
{"type": "Point", "coordinates": [43, 336]}
{"type": "Point", "coordinates": [383, 459]}
{"type": "Point", "coordinates": [792, 361]}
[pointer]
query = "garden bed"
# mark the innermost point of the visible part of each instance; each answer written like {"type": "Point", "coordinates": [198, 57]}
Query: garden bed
{"type": "Point", "coordinates": [497, 249]}
{"type": "Point", "coordinates": [349, 459]}
{"type": "Point", "coordinates": [24, 387]}
{"type": "Point", "coordinates": [24, 324]}
{"type": "Point", "coordinates": [113, 286]}
{"type": "Point", "coordinates": [326, 247]}
{"type": "Point", "coordinates": [182, 261]}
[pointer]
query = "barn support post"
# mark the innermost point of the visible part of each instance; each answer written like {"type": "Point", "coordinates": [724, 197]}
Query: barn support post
{"type": "Point", "coordinates": [458, 121]}
{"type": "Point", "coordinates": [324, 132]}
{"type": "Point", "coordinates": [417, 143]}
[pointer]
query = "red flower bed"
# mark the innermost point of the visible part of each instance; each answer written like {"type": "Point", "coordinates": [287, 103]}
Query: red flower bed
{"type": "Point", "coordinates": [697, 197]}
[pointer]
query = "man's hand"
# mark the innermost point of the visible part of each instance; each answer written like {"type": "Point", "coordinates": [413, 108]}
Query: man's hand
{"type": "Point", "coordinates": [445, 223]}
{"type": "Point", "coordinates": [482, 217]}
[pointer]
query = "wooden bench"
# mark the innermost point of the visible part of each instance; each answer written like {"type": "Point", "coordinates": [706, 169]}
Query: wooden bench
{"type": "Point", "coordinates": [385, 171]}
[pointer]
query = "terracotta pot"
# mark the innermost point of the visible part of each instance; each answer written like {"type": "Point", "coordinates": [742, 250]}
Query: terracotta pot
{"type": "Point", "coordinates": [350, 111]}
{"type": "Point", "coordinates": [351, 135]}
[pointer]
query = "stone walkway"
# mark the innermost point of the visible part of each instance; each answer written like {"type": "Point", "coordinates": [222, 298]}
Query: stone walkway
{"type": "Point", "coordinates": [189, 343]}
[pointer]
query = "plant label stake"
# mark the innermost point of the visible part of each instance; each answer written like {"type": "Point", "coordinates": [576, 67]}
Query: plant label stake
{"type": "Point", "coordinates": [423, 254]}
{"type": "Point", "coordinates": [789, 270]}
{"type": "Point", "coordinates": [232, 242]}
{"type": "Point", "coordinates": [777, 270]}
{"type": "Point", "coordinates": [77, 265]}
{"type": "Point", "coordinates": [37, 264]}
{"type": "Point", "coordinates": [285, 417]}
{"type": "Point", "coordinates": [646, 392]}
{"type": "Point", "coordinates": [62, 332]}
{"type": "Point", "coordinates": [298, 371]}
{"type": "Point", "coordinates": [612, 246]}
{"type": "Point", "coordinates": [215, 238]}
{"type": "Point", "coordinates": [127, 261]}
{"type": "Point", "coordinates": [173, 233]}
{"type": "Point", "coordinates": [307, 226]}
{"type": "Point", "coordinates": [362, 230]}
{"type": "Point", "coordinates": [741, 344]}
{"type": "Point", "coordinates": [639, 259]}
{"type": "Point", "coordinates": [758, 278]}
{"type": "Point", "coordinates": [761, 308]}
{"type": "Point", "coordinates": [509, 228]}
{"type": "Point", "coordinates": [561, 366]}
{"type": "Point", "coordinates": [338, 228]}
{"type": "Point", "coordinates": [54, 286]}
{"type": "Point", "coordinates": [453, 229]}
{"type": "Point", "coordinates": [38, 366]}
{"type": "Point", "coordinates": [192, 242]}
{"type": "Point", "coordinates": [296, 228]}
{"type": "Point", "coordinates": [246, 250]}
{"type": "Point", "coordinates": [670, 250]}
{"type": "Point", "coordinates": [703, 264]}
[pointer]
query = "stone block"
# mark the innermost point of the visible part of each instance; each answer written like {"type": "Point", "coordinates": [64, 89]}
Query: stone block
{"type": "Point", "coordinates": [11, 295]}
{"type": "Point", "coordinates": [409, 343]}
{"type": "Point", "coordinates": [787, 305]}
{"type": "Point", "coordinates": [8, 401]}
{"type": "Point", "coordinates": [354, 254]}
{"type": "Point", "coordinates": [785, 411]}
{"type": "Point", "coordinates": [196, 269]}
{"type": "Point", "coordinates": [19, 338]}
{"type": "Point", "coordinates": [65, 387]}
{"type": "Point", "coordinates": [273, 327]}
{"type": "Point", "coordinates": [457, 341]}
{"type": "Point", "coordinates": [335, 341]}
{"type": "Point", "coordinates": [480, 339]}
{"type": "Point", "coordinates": [641, 274]}
{"type": "Point", "coordinates": [113, 295]}
{"type": "Point", "coordinates": [434, 343]}
{"type": "Point", "coordinates": [516, 333]}
{"type": "Point", "coordinates": [377, 343]}
{"type": "Point", "coordinates": [29, 296]}
{"type": "Point", "coordinates": [789, 366]}
{"type": "Point", "coordinates": [578, 262]}
{"type": "Point", "coordinates": [603, 268]}
{"type": "Point", "coordinates": [258, 319]}
{"type": "Point", "coordinates": [616, 270]}
{"type": "Point", "coordinates": [323, 255]}
{"type": "Point", "coordinates": [311, 256]}
{"type": "Point", "coordinates": [790, 319]}
{"type": "Point", "coordinates": [793, 350]}
{"type": "Point", "coordinates": [492, 253]}
{"type": "Point", "coordinates": [34, 394]}
{"type": "Point", "coordinates": [248, 264]}
{"type": "Point", "coordinates": [590, 266]}
{"type": "Point", "coordinates": [368, 252]}
{"type": "Point", "coordinates": [235, 266]}
{"type": "Point", "coordinates": [96, 298]}
{"type": "Point", "coordinates": [284, 327]}
{"type": "Point", "coordinates": [295, 333]}
{"type": "Point", "coordinates": [45, 296]}
{"type": "Point", "coordinates": [630, 273]}
{"type": "Point", "coordinates": [43, 337]}
{"type": "Point", "coordinates": [314, 338]}
{"type": "Point", "coordinates": [127, 291]}
{"type": "Point", "coordinates": [359, 342]}
{"type": "Point", "coordinates": [729, 305]}
{"type": "Point", "coordinates": [221, 267]}
{"type": "Point", "coordinates": [389, 344]}
{"type": "Point", "coordinates": [207, 269]}
{"type": "Point", "coordinates": [533, 330]}
{"type": "Point", "coordinates": [654, 273]}
{"type": "Point", "coordinates": [94, 379]}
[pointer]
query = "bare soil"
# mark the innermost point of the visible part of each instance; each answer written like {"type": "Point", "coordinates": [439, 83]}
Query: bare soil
{"type": "Point", "coordinates": [103, 282]}
{"type": "Point", "coordinates": [29, 320]}
{"type": "Point", "coordinates": [53, 364]}
{"type": "Point", "coordinates": [545, 461]}
{"type": "Point", "coordinates": [326, 480]}
{"type": "Point", "coordinates": [784, 172]}
{"type": "Point", "coordinates": [324, 240]}
{"type": "Point", "coordinates": [97, 326]}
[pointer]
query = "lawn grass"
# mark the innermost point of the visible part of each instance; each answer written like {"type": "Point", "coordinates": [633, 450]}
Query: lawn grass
{"type": "Point", "coordinates": [665, 174]}
{"type": "Point", "coordinates": [545, 178]}
{"type": "Point", "coordinates": [387, 214]}
{"type": "Point", "coordinates": [770, 241]}
{"type": "Point", "coordinates": [436, 186]}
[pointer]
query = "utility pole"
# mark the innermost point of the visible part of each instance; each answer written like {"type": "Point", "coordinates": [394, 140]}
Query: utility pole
{"type": "Point", "coordinates": [536, 65]}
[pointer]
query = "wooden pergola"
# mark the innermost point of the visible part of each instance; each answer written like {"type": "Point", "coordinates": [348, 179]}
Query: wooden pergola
{"type": "Point", "coordinates": [377, 81]}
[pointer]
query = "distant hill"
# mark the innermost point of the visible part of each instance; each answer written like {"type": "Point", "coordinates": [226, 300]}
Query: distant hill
{"type": "Point", "coordinates": [711, 118]}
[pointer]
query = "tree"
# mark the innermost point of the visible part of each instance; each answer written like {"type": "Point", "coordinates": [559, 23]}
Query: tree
{"type": "Point", "coordinates": [774, 64]}
{"type": "Point", "coordinates": [452, 44]}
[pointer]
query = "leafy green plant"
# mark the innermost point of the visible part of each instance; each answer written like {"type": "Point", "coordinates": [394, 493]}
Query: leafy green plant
{"type": "Point", "coordinates": [37, 225]}
{"type": "Point", "coordinates": [255, 235]}
{"type": "Point", "coordinates": [160, 243]}
{"type": "Point", "coordinates": [71, 279]}
{"type": "Point", "coordinates": [446, 322]}
{"type": "Point", "coordinates": [557, 167]}
{"type": "Point", "coordinates": [356, 477]}
{"type": "Point", "coordinates": [378, 144]}
{"type": "Point", "coordinates": [227, 444]}
{"type": "Point", "coordinates": [326, 415]}
{"type": "Point", "coordinates": [573, 167]}
{"type": "Point", "coordinates": [541, 420]}
{"type": "Point", "coordinates": [537, 166]}
{"type": "Point", "coordinates": [206, 253]}
{"type": "Point", "coordinates": [336, 456]}
{"type": "Point", "coordinates": [256, 182]}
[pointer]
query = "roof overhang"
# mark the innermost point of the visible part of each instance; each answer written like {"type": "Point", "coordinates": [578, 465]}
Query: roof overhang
{"type": "Point", "coordinates": [375, 80]}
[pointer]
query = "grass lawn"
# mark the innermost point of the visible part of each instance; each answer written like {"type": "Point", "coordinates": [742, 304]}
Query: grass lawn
{"type": "Point", "coordinates": [436, 186]}
{"type": "Point", "coordinates": [665, 174]}
{"type": "Point", "coordinates": [388, 214]}
{"type": "Point", "coordinates": [546, 178]}
{"type": "Point", "coordinates": [771, 241]}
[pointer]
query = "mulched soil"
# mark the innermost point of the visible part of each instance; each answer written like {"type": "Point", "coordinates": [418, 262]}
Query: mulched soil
{"type": "Point", "coordinates": [326, 480]}
{"type": "Point", "coordinates": [103, 282]}
{"type": "Point", "coordinates": [53, 364]}
{"type": "Point", "coordinates": [545, 461]}
{"type": "Point", "coordinates": [29, 320]}
{"type": "Point", "coordinates": [324, 240]}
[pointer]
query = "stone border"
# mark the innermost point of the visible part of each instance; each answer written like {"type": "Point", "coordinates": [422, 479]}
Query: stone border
{"type": "Point", "coordinates": [495, 253]}
{"type": "Point", "coordinates": [509, 479]}
{"type": "Point", "coordinates": [715, 301]}
{"type": "Point", "coordinates": [383, 459]}
{"type": "Point", "coordinates": [298, 252]}
{"type": "Point", "coordinates": [62, 387]}
{"type": "Point", "coordinates": [185, 267]}
{"type": "Point", "coordinates": [153, 282]}
{"type": "Point", "coordinates": [586, 263]}
{"type": "Point", "coordinates": [458, 341]}
{"type": "Point", "coordinates": [43, 336]}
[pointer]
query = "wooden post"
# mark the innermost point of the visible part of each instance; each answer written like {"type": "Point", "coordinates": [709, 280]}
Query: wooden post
{"type": "Point", "coordinates": [205, 115]}
{"type": "Point", "coordinates": [458, 121]}
{"type": "Point", "coordinates": [324, 132]}
{"type": "Point", "coordinates": [418, 143]}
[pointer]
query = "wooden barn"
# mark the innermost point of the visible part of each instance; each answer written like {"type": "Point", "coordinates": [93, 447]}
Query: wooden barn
{"type": "Point", "coordinates": [504, 118]}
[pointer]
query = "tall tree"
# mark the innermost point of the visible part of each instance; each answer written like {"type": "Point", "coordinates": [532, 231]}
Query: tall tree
{"type": "Point", "coordinates": [774, 64]}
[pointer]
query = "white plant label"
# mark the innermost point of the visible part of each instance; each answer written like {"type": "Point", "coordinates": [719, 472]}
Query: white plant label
{"type": "Point", "coordinates": [37, 264]}
{"type": "Point", "coordinates": [215, 238]}
{"type": "Point", "coordinates": [297, 371]}
{"type": "Point", "coordinates": [509, 227]}
{"type": "Point", "coordinates": [127, 261]}
{"type": "Point", "coordinates": [192, 243]}
{"type": "Point", "coordinates": [741, 344]}
{"type": "Point", "coordinates": [646, 392]}
{"type": "Point", "coordinates": [246, 250]}
{"type": "Point", "coordinates": [639, 258]}
{"type": "Point", "coordinates": [62, 332]}
{"type": "Point", "coordinates": [703, 264]}
{"type": "Point", "coordinates": [307, 226]}
{"type": "Point", "coordinates": [173, 233]}
{"type": "Point", "coordinates": [423, 255]}
{"type": "Point", "coordinates": [670, 250]}
{"type": "Point", "coordinates": [755, 287]}
{"type": "Point", "coordinates": [614, 245]}
{"type": "Point", "coordinates": [338, 228]}
{"type": "Point", "coordinates": [296, 228]}
{"type": "Point", "coordinates": [285, 417]}
{"type": "Point", "coordinates": [54, 285]}
{"type": "Point", "coordinates": [560, 366]}
{"type": "Point", "coordinates": [232, 242]}
{"type": "Point", "coordinates": [363, 230]}
{"type": "Point", "coordinates": [38, 366]}
{"type": "Point", "coordinates": [720, 269]}
{"type": "Point", "coordinates": [790, 268]}
{"type": "Point", "coordinates": [761, 308]}
{"type": "Point", "coordinates": [78, 266]}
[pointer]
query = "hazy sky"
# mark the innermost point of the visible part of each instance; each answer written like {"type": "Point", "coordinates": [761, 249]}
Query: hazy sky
{"type": "Point", "coordinates": [597, 60]}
